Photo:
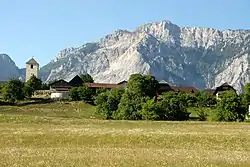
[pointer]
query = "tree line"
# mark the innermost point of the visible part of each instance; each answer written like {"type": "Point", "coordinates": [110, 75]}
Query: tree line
{"type": "Point", "coordinates": [140, 101]}
{"type": "Point", "coordinates": [15, 90]}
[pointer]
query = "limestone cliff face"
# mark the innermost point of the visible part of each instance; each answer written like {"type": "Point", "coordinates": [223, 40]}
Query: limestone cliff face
{"type": "Point", "coordinates": [202, 57]}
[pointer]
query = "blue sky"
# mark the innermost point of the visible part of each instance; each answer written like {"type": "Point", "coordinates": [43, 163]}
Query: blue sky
{"type": "Point", "coordinates": [43, 28]}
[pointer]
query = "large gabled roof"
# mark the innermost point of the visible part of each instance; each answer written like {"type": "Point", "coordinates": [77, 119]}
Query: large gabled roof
{"type": "Point", "coordinates": [122, 82]}
{"type": "Point", "coordinates": [60, 83]}
{"type": "Point", "coordinates": [32, 61]}
{"type": "Point", "coordinates": [76, 81]}
{"type": "Point", "coordinates": [186, 89]}
{"type": "Point", "coordinates": [225, 86]}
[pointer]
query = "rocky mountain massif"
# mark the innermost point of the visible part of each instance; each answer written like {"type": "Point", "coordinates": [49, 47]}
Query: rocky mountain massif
{"type": "Point", "coordinates": [202, 57]}
{"type": "Point", "coordinates": [8, 69]}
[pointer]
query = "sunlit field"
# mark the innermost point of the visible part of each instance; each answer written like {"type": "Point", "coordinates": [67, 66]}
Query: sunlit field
{"type": "Point", "coordinates": [71, 134]}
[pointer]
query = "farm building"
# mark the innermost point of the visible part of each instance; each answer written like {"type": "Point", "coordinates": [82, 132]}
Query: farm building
{"type": "Point", "coordinates": [64, 86]}
{"type": "Point", "coordinates": [219, 90]}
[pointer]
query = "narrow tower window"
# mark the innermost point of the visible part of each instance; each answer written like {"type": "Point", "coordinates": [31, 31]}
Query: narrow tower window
{"type": "Point", "coordinates": [31, 66]}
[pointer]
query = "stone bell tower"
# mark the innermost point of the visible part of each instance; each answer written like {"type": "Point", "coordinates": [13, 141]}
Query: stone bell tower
{"type": "Point", "coordinates": [32, 68]}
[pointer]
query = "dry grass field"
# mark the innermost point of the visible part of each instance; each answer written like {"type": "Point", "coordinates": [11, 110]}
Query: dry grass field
{"type": "Point", "coordinates": [70, 134]}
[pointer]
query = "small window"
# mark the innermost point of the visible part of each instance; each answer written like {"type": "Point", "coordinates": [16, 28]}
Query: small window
{"type": "Point", "coordinates": [31, 66]}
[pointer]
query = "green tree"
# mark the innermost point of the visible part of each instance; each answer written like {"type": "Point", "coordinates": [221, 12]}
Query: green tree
{"type": "Point", "coordinates": [73, 94]}
{"type": "Point", "coordinates": [114, 97]}
{"type": "Point", "coordinates": [44, 86]}
{"type": "Point", "coordinates": [175, 107]}
{"type": "Point", "coordinates": [81, 93]}
{"type": "Point", "coordinates": [244, 101]}
{"type": "Point", "coordinates": [152, 110]}
{"type": "Point", "coordinates": [1, 89]}
{"type": "Point", "coordinates": [229, 107]}
{"type": "Point", "coordinates": [85, 93]}
{"type": "Point", "coordinates": [34, 83]}
{"type": "Point", "coordinates": [31, 86]}
{"type": "Point", "coordinates": [102, 106]}
{"type": "Point", "coordinates": [202, 114]}
{"type": "Point", "coordinates": [100, 90]}
{"type": "Point", "coordinates": [13, 91]}
{"type": "Point", "coordinates": [86, 78]}
{"type": "Point", "coordinates": [188, 100]}
{"type": "Point", "coordinates": [143, 85]}
{"type": "Point", "coordinates": [246, 95]}
{"type": "Point", "coordinates": [150, 85]}
{"type": "Point", "coordinates": [205, 99]}
{"type": "Point", "coordinates": [107, 102]}
{"type": "Point", "coordinates": [130, 106]}
{"type": "Point", "coordinates": [140, 88]}
{"type": "Point", "coordinates": [28, 91]}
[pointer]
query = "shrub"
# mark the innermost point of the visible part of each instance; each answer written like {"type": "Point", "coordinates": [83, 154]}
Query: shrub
{"type": "Point", "coordinates": [73, 94]}
{"type": "Point", "coordinates": [143, 85]}
{"type": "Point", "coordinates": [85, 93]}
{"type": "Point", "coordinates": [202, 114]}
{"type": "Point", "coordinates": [189, 100]}
{"type": "Point", "coordinates": [28, 91]}
{"type": "Point", "coordinates": [152, 110]}
{"type": "Point", "coordinates": [1, 89]}
{"type": "Point", "coordinates": [107, 102]}
{"type": "Point", "coordinates": [44, 86]}
{"type": "Point", "coordinates": [130, 106]}
{"type": "Point", "coordinates": [101, 90]}
{"type": "Point", "coordinates": [34, 83]}
{"type": "Point", "coordinates": [175, 108]}
{"type": "Point", "coordinates": [140, 88]}
{"type": "Point", "coordinates": [229, 108]}
{"type": "Point", "coordinates": [102, 106]}
{"type": "Point", "coordinates": [81, 93]}
{"type": "Point", "coordinates": [205, 100]}
{"type": "Point", "coordinates": [13, 91]}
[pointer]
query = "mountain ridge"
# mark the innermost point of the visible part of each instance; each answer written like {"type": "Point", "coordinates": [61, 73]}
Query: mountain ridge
{"type": "Point", "coordinates": [195, 56]}
{"type": "Point", "coordinates": [182, 47]}
{"type": "Point", "coordinates": [180, 55]}
{"type": "Point", "coordinates": [9, 69]}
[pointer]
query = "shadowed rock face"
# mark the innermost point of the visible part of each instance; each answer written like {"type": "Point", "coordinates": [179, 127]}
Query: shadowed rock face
{"type": "Point", "coordinates": [8, 68]}
{"type": "Point", "coordinates": [200, 57]}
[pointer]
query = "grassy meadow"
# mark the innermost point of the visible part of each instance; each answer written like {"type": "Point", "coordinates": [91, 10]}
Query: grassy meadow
{"type": "Point", "coordinates": [71, 134]}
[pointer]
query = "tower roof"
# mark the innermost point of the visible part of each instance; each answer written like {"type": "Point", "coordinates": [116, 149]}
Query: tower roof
{"type": "Point", "coordinates": [32, 61]}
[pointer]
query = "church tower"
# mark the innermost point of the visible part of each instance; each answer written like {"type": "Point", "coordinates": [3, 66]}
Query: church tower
{"type": "Point", "coordinates": [32, 68]}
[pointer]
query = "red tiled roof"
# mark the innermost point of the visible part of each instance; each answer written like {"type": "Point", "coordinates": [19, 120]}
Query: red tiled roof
{"type": "Point", "coordinates": [186, 89]}
{"type": "Point", "coordinates": [101, 85]}
{"type": "Point", "coordinates": [61, 89]}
